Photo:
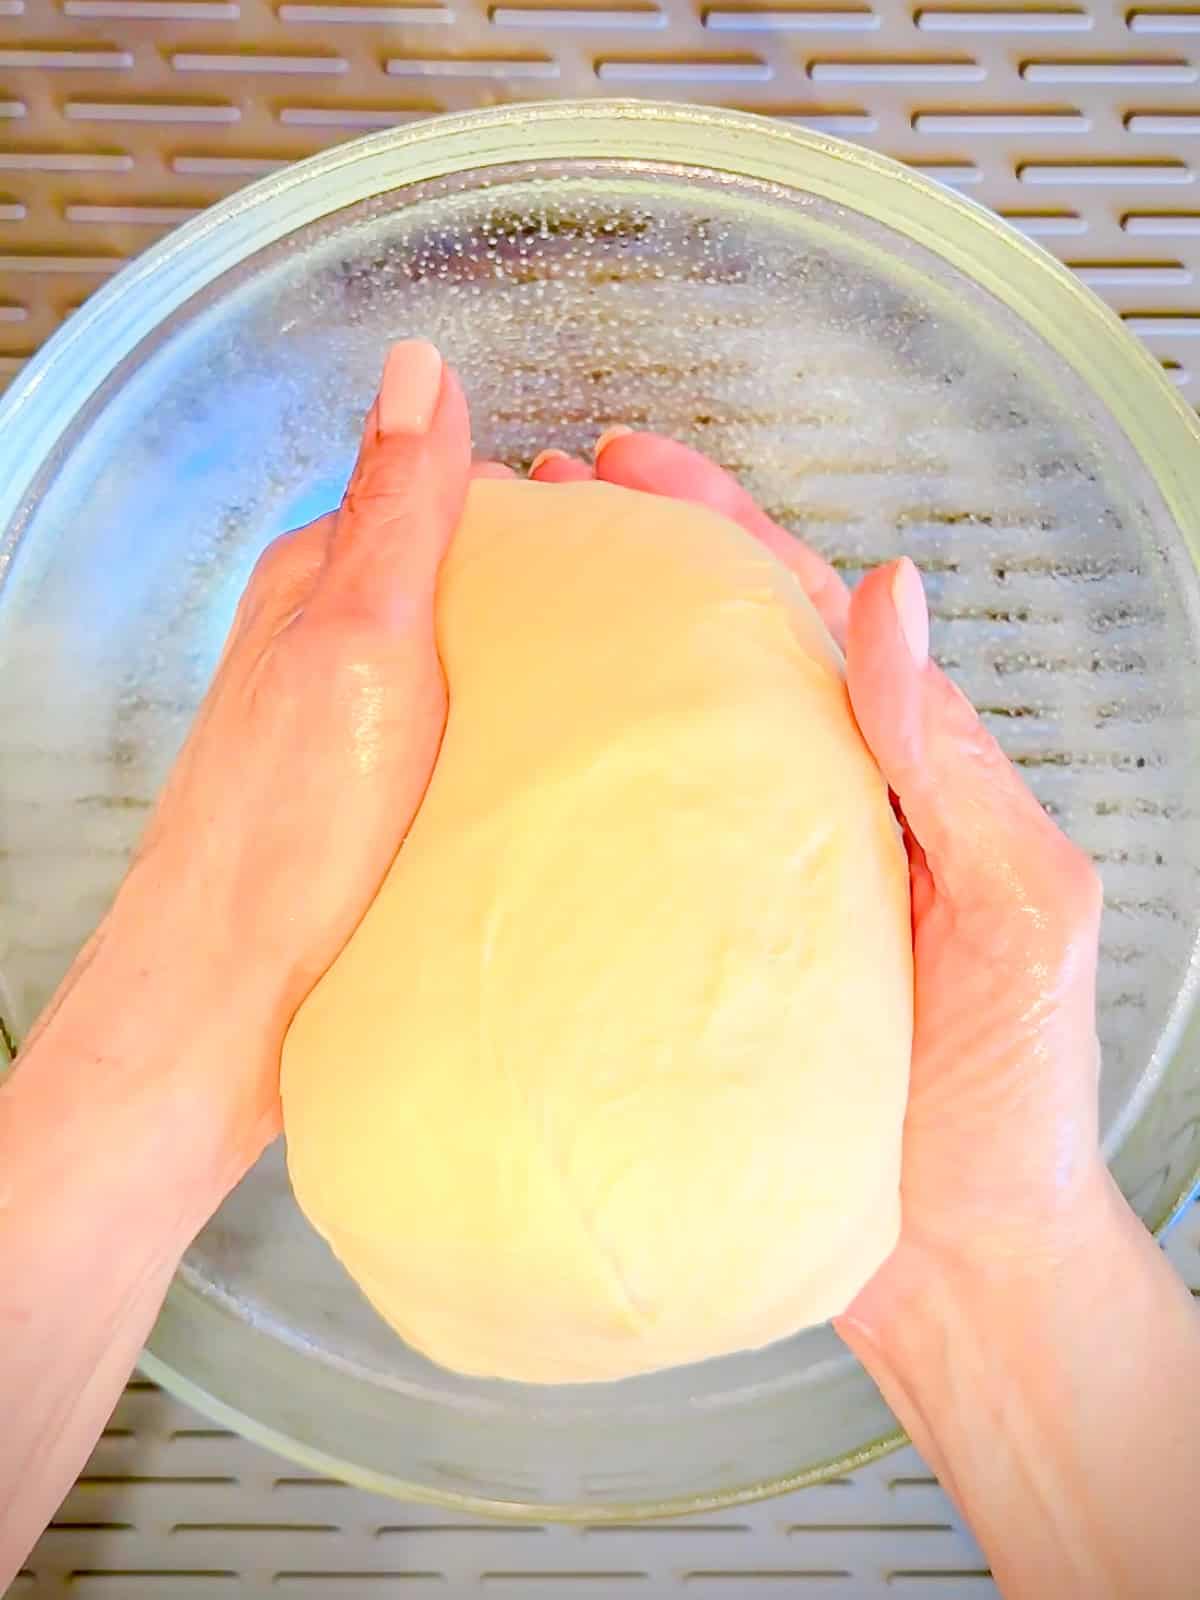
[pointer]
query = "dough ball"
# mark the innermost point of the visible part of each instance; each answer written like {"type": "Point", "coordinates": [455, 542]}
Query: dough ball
{"type": "Point", "coordinates": [612, 1075]}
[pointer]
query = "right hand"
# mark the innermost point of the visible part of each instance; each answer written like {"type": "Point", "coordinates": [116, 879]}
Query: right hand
{"type": "Point", "coordinates": [1001, 1157]}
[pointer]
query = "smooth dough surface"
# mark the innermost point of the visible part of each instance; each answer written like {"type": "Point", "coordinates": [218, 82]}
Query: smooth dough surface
{"type": "Point", "coordinates": [612, 1074]}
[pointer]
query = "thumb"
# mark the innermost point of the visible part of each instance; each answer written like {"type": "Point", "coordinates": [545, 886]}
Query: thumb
{"type": "Point", "coordinates": [406, 493]}
{"type": "Point", "coordinates": [985, 838]}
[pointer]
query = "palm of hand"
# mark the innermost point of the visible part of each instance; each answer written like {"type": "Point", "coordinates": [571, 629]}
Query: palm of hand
{"type": "Point", "coordinates": [1001, 1127]}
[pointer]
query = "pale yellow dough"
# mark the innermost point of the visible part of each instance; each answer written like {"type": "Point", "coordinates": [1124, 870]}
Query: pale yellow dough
{"type": "Point", "coordinates": [613, 1073]}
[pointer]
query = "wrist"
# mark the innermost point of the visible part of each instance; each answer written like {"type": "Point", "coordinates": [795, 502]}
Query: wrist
{"type": "Point", "coordinates": [181, 936]}
{"type": "Point", "coordinates": [1053, 1397]}
{"type": "Point", "coordinates": [971, 1344]}
{"type": "Point", "coordinates": [936, 1268]}
{"type": "Point", "coordinates": [151, 1050]}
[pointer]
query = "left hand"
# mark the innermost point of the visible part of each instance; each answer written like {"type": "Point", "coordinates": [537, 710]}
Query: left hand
{"type": "Point", "coordinates": [312, 750]}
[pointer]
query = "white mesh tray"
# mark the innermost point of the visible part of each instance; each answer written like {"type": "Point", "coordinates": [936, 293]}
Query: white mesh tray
{"type": "Point", "coordinates": [118, 119]}
{"type": "Point", "coordinates": [170, 1508]}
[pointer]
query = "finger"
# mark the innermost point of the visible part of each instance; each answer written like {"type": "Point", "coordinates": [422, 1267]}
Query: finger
{"type": "Point", "coordinates": [406, 493]}
{"type": "Point", "coordinates": [656, 465]}
{"type": "Point", "coordinates": [556, 466]}
{"type": "Point", "coordinates": [491, 469]}
{"type": "Point", "coordinates": [983, 835]}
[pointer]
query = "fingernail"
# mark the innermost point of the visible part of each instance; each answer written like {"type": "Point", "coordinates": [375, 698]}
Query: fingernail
{"type": "Point", "coordinates": [408, 394]}
{"type": "Point", "coordinates": [908, 597]}
{"type": "Point", "coordinates": [607, 437]}
{"type": "Point", "coordinates": [547, 455]}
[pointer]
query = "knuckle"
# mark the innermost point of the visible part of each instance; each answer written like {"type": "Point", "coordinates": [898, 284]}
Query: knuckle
{"type": "Point", "coordinates": [382, 485]}
{"type": "Point", "coordinates": [282, 582]}
{"type": "Point", "coordinates": [1071, 892]}
{"type": "Point", "coordinates": [271, 566]}
{"type": "Point", "coordinates": [1085, 891]}
{"type": "Point", "coordinates": [290, 559]}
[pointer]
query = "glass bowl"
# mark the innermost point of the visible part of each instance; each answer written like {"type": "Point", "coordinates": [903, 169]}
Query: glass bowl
{"type": "Point", "coordinates": [889, 368]}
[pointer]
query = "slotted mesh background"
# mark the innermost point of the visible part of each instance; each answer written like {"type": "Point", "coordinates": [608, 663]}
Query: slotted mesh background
{"type": "Point", "coordinates": [171, 1508]}
{"type": "Point", "coordinates": [119, 119]}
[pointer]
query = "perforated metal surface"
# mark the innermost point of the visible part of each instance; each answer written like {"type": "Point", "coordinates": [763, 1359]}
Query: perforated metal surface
{"type": "Point", "coordinates": [119, 118]}
{"type": "Point", "coordinates": [170, 1508]}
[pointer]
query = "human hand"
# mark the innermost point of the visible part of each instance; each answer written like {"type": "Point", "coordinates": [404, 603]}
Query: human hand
{"type": "Point", "coordinates": [1001, 1155]}
{"type": "Point", "coordinates": [151, 1082]}
{"type": "Point", "coordinates": [313, 747]}
{"type": "Point", "coordinates": [1026, 1330]}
